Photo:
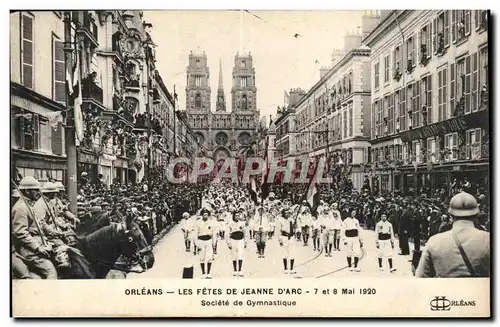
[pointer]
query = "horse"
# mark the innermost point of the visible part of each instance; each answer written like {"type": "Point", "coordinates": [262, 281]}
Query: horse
{"type": "Point", "coordinates": [96, 254]}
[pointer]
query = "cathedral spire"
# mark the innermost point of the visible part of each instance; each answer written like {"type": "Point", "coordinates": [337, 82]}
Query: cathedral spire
{"type": "Point", "coordinates": [221, 101]}
{"type": "Point", "coordinates": [221, 86]}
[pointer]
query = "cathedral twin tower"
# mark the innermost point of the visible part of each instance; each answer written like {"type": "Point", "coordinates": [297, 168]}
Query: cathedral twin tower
{"type": "Point", "coordinates": [222, 132]}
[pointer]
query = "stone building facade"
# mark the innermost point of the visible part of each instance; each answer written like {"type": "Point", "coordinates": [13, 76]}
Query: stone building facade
{"type": "Point", "coordinates": [223, 132]}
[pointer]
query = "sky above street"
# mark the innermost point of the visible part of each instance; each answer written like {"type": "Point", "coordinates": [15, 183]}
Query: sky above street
{"type": "Point", "coordinates": [281, 60]}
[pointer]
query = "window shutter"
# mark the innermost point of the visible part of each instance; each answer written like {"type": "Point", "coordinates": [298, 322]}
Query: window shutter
{"type": "Point", "coordinates": [475, 81]}
{"type": "Point", "coordinates": [477, 17]}
{"type": "Point", "coordinates": [36, 132]}
{"type": "Point", "coordinates": [452, 88]}
{"type": "Point", "coordinates": [57, 140]}
{"type": "Point", "coordinates": [59, 72]}
{"type": "Point", "coordinates": [446, 28]}
{"type": "Point", "coordinates": [468, 144]}
{"type": "Point", "coordinates": [429, 99]}
{"type": "Point", "coordinates": [468, 78]}
{"type": "Point", "coordinates": [453, 26]}
{"type": "Point", "coordinates": [434, 34]}
{"type": "Point", "coordinates": [27, 51]}
{"type": "Point", "coordinates": [428, 34]}
{"type": "Point", "coordinates": [467, 22]}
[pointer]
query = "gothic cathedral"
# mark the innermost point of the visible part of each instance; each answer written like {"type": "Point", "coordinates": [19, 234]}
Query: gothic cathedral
{"type": "Point", "coordinates": [222, 132]}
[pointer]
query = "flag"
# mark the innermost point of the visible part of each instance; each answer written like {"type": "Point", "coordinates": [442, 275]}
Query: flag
{"type": "Point", "coordinates": [253, 189]}
{"type": "Point", "coordinates": [74, 89]}
{"type": "Point", "coordinates": [54, 119]}
{"type": "Point", "coordinates": [312, 193]}
{"type": "Point", "coordinates": [264, 188]}
{"type": "Point", "coordinates": [286, 100]}
{"type": "Point", "coordinates": [415, 164]}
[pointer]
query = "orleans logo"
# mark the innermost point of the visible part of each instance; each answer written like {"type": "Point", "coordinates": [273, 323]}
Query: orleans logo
{"type": "Point", "coordinates": [440, 303]}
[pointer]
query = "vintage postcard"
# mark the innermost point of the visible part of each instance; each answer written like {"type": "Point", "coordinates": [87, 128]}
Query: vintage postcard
{"type": "Point", "coordinates": [250, 163]}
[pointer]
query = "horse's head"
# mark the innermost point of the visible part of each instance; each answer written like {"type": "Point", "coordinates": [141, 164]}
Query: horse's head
{"type": "Point", "coordinates": [135, 247]}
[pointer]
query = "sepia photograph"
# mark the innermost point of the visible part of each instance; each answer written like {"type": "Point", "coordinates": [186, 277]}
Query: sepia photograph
{"type": "Point", "coordinates": [208, 157]}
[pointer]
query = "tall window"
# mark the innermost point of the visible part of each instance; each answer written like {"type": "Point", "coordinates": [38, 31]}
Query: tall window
{"type": "Point", "coordinates": [350, 86]}
{"type": "Point", "coordinates": [426, 99]}
{"type": "Point", "coordinates": [374, 119]}
{"type": "Point", "coordinates": [58, 71]}
{"type": "Point", "coordinates": [27, 50]}
{"type": "Point", "coordinates": [345, 122]}
{"type": "Point", "coordinates": [380, 117]}
{"type": "Point", "coordinates": [474, 83]}
{"type": "Point", "coordinates": [197, 81]}
{"type": "Point", "coordinates": [410, 105]}
{"type": "Point", "coordinates": [386, 69]}
{"type": "Point", "coordinates": [463, 89]}
{"type": "Point", "coordinates": [481, 19]}
{"type": "Point", "coordinates": [473, 143]}
{"type": "Point", "coordinates": [377, 77]}
{"type": "Point", "coordinates": [416, 105]}
{"type": "Point", "coordinates": [425, 42]}
{"type": "Point", "coordinates": [483, 71]}
{"type": "Point", "coordinates": [197, 101]}
{"type": "Point", "coordinates": [442, 94]}
{"type": "Point", "coordinates": [452, 89]}
{"type": "Point", "coordinates": [351, 120]}
{"type": "Point", "coordinates": [397, 59]}
{"type": "Point", "coordinates": [451, 143]}
{"type": "Point", "coordinates": [410, 51]}
{"type": "Point", "coordinates": [243, 81]}
{"type": "Point", "coordinates": [460, 24]}
{"type": "Point", "coordinates": [390, 115]}
{"type": "Point", "coordinates": [441, 31]}
{"type": "Point", "coordinates": [244, 102]}
{"type": "Point", "coordinates": [402, 110]}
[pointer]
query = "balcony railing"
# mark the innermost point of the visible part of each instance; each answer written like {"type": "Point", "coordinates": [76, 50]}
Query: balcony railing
{"type": "Point", "coordinates": [91, 91]}
{"type": "Point", "coordinates": [86, 26]}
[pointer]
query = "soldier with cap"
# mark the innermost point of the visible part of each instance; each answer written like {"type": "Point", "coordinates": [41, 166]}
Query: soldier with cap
{"type": "Point", "coordinates": [27, 231]}
{"type": "Point", "coordinates": [463, 251]}
{"type": "Point", "coordinates": [206, 237]}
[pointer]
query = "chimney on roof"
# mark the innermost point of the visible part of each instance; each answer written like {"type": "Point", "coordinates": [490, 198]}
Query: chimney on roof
{"type": "Point", "coordinates": [370, 20]}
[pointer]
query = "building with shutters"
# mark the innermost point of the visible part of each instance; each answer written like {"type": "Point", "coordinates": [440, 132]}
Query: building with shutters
{"type": "Point", "coordinates": [429, 96]}
{"type": "Point", "coordinates": [38, 94]}
{"type": "Point", "coordinates": [332, 118]}
{"type": "Point", "coordinates": [228, 129]}
{"type": "Point", "coordinates": [128, 112]}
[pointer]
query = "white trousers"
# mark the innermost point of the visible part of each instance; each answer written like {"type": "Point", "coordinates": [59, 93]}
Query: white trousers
{"type": "Point", "coordinates": [353, 247]}
{"type": "Point", "coordinates": [289, 247]}
{"type": "Point", "coordinates": [206, 250]}
{"type": "Point", "coordinates": [384, 249]}
{"type": "Point", "coordinates": [237, 249]}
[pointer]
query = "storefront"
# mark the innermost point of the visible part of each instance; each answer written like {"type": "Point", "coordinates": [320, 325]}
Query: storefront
{"type": "Point", "coordinates": [120, 170]}
{"type": "Point", "coordinates": [40, 166]}
{"type": "Point", "coordinates": [87, 162]}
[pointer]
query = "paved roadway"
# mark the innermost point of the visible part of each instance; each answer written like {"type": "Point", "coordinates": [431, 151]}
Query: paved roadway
{"type": "Point", "coordinates": [171, 258]}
